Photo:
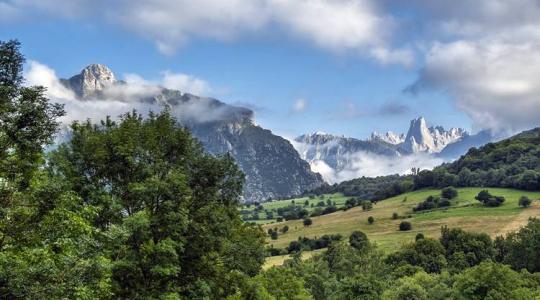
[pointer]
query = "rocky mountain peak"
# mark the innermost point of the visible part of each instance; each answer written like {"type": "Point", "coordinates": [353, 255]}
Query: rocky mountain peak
{"type": "Point", "coordinates": [92, 80]}
{"type": "Point", "coordinates": [389, 137]}
{"type": "Point", "coordinates": [420, 138]}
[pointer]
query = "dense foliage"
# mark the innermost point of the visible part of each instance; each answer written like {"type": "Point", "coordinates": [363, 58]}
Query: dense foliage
{"type": "Point", "coordinates": [126, 209]}
{"type": "Point", "coordinates": [368, 188]}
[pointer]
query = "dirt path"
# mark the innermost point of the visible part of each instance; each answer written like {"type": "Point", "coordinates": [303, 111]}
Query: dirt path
{"type": "Point", "coordinates": [522, 218]}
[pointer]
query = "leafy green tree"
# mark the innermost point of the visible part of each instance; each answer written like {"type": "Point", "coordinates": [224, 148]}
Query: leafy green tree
{"type": "Point", "coordinates": [282, 284]}
{"type": "Point", "coordinates": [474, 247]}
{"type": "Point", "coordinates": [171, 208]}
{"type": "Point", "coordinates": [490, 280]}
{"type": "Point", "coordinates": [521, 248]}
{"type": "Point", "coordinates": [359, 240]}
{"type": "Point", "coordinates": [370, 220]}
{"type": "Point", "coordinates": [524, 201]}
{"type": "Point", "coordinates": [307, 222]}
{"type": "Point", "coordinates": [426, 253]}
{"type": "Point", "coordinates": [449, 193]}
{"type": "Point", "coordinates": [405, 226]}
{"type": "Point", "coordinates": [285, 229]}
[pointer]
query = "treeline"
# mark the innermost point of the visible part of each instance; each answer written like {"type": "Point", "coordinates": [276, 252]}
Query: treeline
{"type": "Point", "coordinates": [458, 265]}
{"type": "Point", "coordinates": [369, 188]}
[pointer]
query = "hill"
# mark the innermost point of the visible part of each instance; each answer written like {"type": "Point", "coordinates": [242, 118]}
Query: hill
{"type": "Point", "coordinates": [465, 212]}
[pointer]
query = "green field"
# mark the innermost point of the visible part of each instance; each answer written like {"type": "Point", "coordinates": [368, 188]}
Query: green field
{"type": "Point", "coordinates": [465, 212]}
{"type": "Point", "coordinates": [272, 206]}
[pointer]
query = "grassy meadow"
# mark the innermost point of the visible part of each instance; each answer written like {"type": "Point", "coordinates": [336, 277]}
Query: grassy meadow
{"type": "Point", "coordinates": [465, 212]}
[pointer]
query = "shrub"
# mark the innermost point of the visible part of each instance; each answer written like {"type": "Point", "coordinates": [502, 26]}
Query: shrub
{"type": "Point", "coordinates": [449, 192]}
{"type": "Point", "coordinates": [405, 226]}
{"type": "Point", "coordinates": [308, 222]}
{"type": "Point", "coordinates": [285, 229]}
{"type": "Point", "coordinates": [489, 200]}
{"type": "Point", "coordinates": [367, 205]}
{"type": "Point", "coordinates": [370, 220]}
{"type": "Point", "coordinates": [524, 201]}
{"type": "Point", "coordinates": [359, 240]}
{"type": "Point", "coordinates": [395, 216]}
{"type": "Point", "coordinates": [419, 236]}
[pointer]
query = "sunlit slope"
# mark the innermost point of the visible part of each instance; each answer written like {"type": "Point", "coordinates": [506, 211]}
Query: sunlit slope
{"type": "Point", "coordinates": [465, 212]}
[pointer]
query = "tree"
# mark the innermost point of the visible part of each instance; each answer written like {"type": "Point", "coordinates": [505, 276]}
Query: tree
{"type": "Point", "coordinates": [521, 248]}
{"type": "Point", "coordinates": [419, 236]}
{"type": "Point", "coordinates": [449, 193]}
{"type": "Point", "coordinates": [491, 281]}
{"type": "Point", "coordinates": [395, 216]}
{"type": "Point", "coordinates": [307, 222]}
{"type": "Point", "coordinates": [171, 208]}
{"type": "Point", "coordinates": [489, 200]}
{"type": "Point", "coordinates": [285, 229]}
{"type": "Point", "coordinates": [474, 247]}
{"type": "Point", "coordinates": [367, 205]}
{"type": "Point", "coordinates": [524, 201]}
{"type": "Point", "coordinates": [405, 226]}
{"type": "Point", "coordinates": [359, 240]}
{"type": "Point", "coordinates": [370, 220]}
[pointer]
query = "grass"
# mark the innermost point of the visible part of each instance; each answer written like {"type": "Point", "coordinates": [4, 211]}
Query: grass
{"type": "Point", "coordinates": [465, 212]}
{"type": "Point", "coordinates": [272, 206]}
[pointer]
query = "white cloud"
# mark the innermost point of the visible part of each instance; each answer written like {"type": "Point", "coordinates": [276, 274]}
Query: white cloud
{"type": "Point", "coordinates": [343, 26]}
{"type": "Point", "coordinates": [137, 93]}
{"type": "Point", "coordinates": [371, 165]}
{"type": "Point", "coordinates": [496, 83]}
{"type": "Point", "coordinates": [185, 83]}
{"type": "Point", "coordinates": [299, 106]}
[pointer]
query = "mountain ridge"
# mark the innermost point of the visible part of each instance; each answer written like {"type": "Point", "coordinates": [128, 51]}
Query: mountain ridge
{"type": "Point", "coordinates": [272, 166]}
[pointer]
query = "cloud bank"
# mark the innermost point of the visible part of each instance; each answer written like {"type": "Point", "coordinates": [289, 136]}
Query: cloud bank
{"type": "Point", "coordinates": [136, 93]}
{"type": "Point", "coordinates": [372, 165]}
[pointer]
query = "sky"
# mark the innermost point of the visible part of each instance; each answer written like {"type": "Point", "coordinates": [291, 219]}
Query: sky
{"type": "Point", "coordinates": [340, 66]}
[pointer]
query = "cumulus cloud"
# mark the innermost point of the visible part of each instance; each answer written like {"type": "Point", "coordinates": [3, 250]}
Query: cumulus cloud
{"type": "Point", "coordinates": [342, 26]}
{"type": "Point", "coordinates": [371, 165]}
{"type": "Point", "coordinates": [136, 93]}
{"type": "Point", "coordinates": [497, 84]}
{"type": "Point", "coordinates": [299, 106]}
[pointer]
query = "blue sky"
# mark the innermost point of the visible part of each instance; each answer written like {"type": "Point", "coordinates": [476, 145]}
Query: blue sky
{"type": "Point", "coordinates": [330, 59]}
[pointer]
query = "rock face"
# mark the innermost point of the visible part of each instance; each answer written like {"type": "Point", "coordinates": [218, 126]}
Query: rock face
{"type": "Point", "coordinates": [338, 152]}
{"type": "Point", "coordinates": [389, 137]}
{"type": "Point", "coordinates": [420, 138]}
{"type": "Point", "coordinates": [272, 166]}
{"type": "Point", "coordinates": [91, 81]}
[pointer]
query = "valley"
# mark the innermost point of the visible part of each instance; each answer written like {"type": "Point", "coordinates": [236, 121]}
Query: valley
{"type": "Point", "coordinates": [465, 212]}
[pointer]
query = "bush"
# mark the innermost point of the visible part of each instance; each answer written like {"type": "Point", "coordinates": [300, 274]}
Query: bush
{"type": "Point", "coordinates": [395, 216]}
{"type": "Point", "coordinates": [285, 229]}
{"type": "Point", "coordinates": [405, 226]}
{"type": "Point", "coordinates": [524, 201]}
{"type": "Point", "coordinates": [370, 220]}
{"type": "Point", "coordinates": [359, 240]}
{"type": "Point", "coordinates": [367, 205]}
{"type": "Point", "coordinates": [308, 222]}
{"type": "Point", "coordinates": [419, 236]}
{"type": "Point", "coordinates": [449, 192]}
{"type": "Point", "coordinates": [489, 200]}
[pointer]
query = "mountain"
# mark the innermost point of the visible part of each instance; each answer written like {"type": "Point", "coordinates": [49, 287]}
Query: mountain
{"type": "Point", "coordinates": [420, 138]}
{"type": "Point", "coordinates": [389, 137]}
{"type": "Point", "coordinates": [340, 158]}
{"type": "Point", "coordinates": [272, 167]}
{"type": "Point", "coordinates": [338, 152]}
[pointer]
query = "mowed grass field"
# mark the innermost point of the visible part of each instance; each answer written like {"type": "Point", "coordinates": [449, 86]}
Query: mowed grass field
{"type": "Point", "coordinates": [465, 212]}
{"type": "Point", "coordinates": [272, 206]}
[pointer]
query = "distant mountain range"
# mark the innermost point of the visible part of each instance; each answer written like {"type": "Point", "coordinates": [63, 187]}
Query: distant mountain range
{"type": "Point", "coordinates": [272, 166]}
{"type": "Point", "coordinates": [346, 154]}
